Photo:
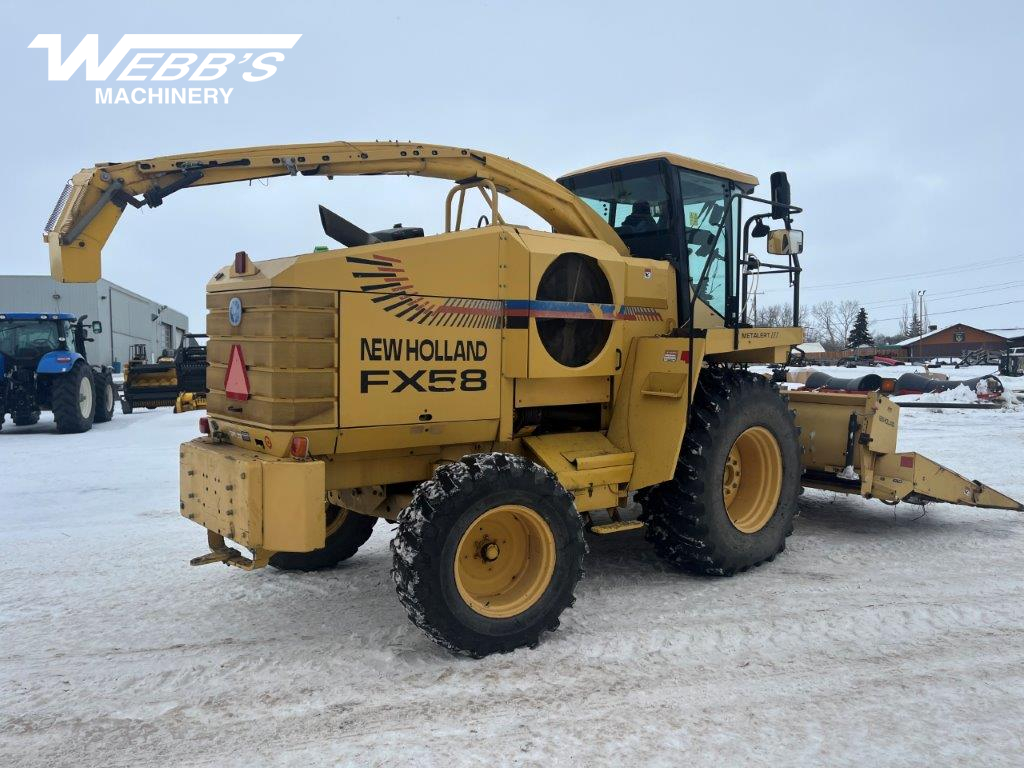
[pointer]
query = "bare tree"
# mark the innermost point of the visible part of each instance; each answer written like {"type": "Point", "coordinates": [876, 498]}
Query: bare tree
{"type": "Point", "coordinates": [778, 316]}
{"type": "Point", "coordinates": [831, 322]}
{"type": "Point", "coordinates": [824, 324]}
{"type": "Point", "coordinates": [846, 316]}
{"type": "Point", "coordinates": [904, 331]}
{"type": "Point", "coordinates": [772, 316]}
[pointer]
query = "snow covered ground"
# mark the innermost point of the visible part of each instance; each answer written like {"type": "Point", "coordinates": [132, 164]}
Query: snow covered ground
{"type": "Point", "coordinates": [881, 636]}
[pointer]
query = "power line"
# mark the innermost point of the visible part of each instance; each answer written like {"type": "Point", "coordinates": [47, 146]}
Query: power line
{"type": "Point", "coordinates": [961, 309]}
{"type": "Point", "coordinates": [927, 274]}
{"type": "Point", "coordinates": [954, 294]}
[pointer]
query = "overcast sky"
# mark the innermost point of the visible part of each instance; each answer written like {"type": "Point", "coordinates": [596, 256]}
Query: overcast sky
{"type": "Point", "coordinates": [899, 125]}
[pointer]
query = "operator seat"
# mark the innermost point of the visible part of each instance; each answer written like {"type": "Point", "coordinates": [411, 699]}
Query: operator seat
{"type": "Point", "coordinates": [640, 218]}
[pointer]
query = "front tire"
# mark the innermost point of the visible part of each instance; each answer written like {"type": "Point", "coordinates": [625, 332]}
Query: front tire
{"type": "Point", "coordinates": [488, 554]}
{"type": "Point", "coordinates": [732, 501]}
{"type": "Point", "coordinates": [347, 531]}
{"type": "Point", "coordinates": [73, 398]}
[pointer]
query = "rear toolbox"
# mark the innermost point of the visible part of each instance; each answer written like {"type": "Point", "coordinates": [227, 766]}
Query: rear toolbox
{"type": "Point", "coordinates": [265, 503]}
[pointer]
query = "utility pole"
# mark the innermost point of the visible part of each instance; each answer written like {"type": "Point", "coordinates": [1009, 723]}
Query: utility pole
{"type": "Point", "coordinates": [920, 312]}
{"type": "Point", "coordinates": [753, 297]}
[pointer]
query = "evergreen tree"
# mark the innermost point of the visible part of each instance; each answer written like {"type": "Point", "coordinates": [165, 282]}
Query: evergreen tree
{"type": "Point", "coordinates": [859, 333]}
{"type": "Point", "coordinates": [915, 326]}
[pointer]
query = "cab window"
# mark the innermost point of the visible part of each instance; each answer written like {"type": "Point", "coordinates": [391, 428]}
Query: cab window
{"type": "Point", "coordinates": [634, 200]}
{"type": "Point", "coordinates": [707, 228]}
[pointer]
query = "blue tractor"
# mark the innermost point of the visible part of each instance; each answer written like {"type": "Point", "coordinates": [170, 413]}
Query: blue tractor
{"type": "Point", "coordinates": [43, 367]}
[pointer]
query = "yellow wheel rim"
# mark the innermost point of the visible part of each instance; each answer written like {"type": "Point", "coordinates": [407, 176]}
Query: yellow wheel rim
{"type": "Point", "coordinates": [504, 561]}
{"type": "Point", "coordinates": [752, 479]}
{"type": "Point", "coordinates": [335, 519]}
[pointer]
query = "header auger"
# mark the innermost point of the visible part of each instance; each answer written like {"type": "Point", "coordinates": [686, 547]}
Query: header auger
{"type": "Point", "coordinates": [497, 391]}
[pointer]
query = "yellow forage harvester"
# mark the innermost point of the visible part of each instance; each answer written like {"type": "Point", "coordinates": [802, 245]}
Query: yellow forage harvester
{"type": "Point", "coordinates": [497, 390]}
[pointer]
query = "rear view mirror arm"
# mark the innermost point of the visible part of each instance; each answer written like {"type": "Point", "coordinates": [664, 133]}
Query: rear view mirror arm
{"type": "Point", "coordinates": [794, 267]}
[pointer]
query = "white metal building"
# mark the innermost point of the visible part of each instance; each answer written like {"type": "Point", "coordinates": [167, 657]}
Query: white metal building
{"type": "Point", "coordinates": [127, 317]}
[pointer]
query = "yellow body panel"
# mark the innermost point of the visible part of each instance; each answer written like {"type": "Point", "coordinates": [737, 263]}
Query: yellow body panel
{"type": "Point", "coordinates": [261, 502]}
{"type": "Point", "coordinates": [650, 414]}
{"type": "Point", "coordinates": [585, 389]}
{"type": "Point", "coordinates": [690, 163]}
{"type": "Point", "coordinates": [587, 464]}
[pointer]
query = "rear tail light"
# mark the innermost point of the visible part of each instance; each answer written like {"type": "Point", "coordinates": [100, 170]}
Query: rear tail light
{"type": "Point", "coordinates": [204, 425]}
{"type": "Point", "coordinates": [299, 448]}
{"type": "Point", "coordinates": [888, 386]}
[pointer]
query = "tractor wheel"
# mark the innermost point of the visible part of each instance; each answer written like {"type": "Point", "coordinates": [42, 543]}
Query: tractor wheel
{"type": "Point", "coordinates": [732, 501]}
{"type": "Point", "coordinates": [126, 405]}
{"type": "Point", "coordinates": [488, 554]}
{"type": "Point", "coordinates": [104, 399]}
{"type": "Point", "coordinates": [73, 399]}
{"type": "Point", "coordinates": [25, 419]}
{"type": "Point", "coordinates": [346, 532]}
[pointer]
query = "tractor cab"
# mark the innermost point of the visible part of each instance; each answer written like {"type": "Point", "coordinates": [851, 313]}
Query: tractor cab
{"type": "Point", "coordinates": [25, 338]}
{"type": "Point", "coordinates": [689, 213]}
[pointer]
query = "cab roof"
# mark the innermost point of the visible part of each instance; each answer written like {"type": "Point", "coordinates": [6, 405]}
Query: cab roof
{"type": "Point", "coordinates": [36, 316]}
{"type": "Point", "coordinates": [691, 164]}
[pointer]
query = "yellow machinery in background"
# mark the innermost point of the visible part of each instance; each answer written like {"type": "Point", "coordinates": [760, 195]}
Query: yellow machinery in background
{"type": "Point", "coordinates": [497, 390]}
{"type": "Point", "coordinates": [175, 379]}
{"type": "Point", "coordinates": [146, 384]}
{"type": "Point", "coordinates": [190, 401]}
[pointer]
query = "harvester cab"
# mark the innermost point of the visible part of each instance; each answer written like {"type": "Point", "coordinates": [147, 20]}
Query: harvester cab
{"type": "Point", "coordinates": [498, 390]}
{"type": "Point", "coordinates": [44, 366]}
{"type": "Point", "coordinates": [688, 213]}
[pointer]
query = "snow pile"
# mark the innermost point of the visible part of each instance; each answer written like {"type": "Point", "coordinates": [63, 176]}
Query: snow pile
{"type": "Point", "coordinates": [960, 394]}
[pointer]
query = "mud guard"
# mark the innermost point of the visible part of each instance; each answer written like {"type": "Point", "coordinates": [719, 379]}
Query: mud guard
{"type": "Point", "coordinates": [848, 445]}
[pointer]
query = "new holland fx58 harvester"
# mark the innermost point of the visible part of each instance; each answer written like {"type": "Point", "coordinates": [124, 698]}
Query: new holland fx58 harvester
{"type": "Point", "coordinates": [497, 390]}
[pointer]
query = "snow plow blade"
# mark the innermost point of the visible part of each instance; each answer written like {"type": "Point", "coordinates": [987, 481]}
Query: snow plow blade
{"type": "Point", "coordinates": [848, 445]}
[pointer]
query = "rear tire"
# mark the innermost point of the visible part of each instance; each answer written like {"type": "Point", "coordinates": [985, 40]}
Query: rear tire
{"type": "Point", "coordinates": [488, 554]}
{"type": "Point", "coordinates": [25, 419]}
{"type": "Point", "coordinates": [104, 399]}
{"type": "Point", "coordinates": [732, 501]}
{"type": "Point", "coordinates": [126, 406]}
{"type": "Point", "coordinates": [347, 531]}
{"type": "Point", "coordinates": [73, 397]}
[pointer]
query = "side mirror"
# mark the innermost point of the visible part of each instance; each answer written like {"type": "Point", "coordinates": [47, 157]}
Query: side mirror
{"type": "Point", "coordinates": [97, 326]}
{"type": "Point", "coordinates": [786, 242]}
{"type": "Point", "coordinates": [780, 195]}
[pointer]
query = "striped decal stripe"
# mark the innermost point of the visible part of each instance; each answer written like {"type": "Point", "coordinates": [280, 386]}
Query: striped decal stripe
{"type": "Point", "coordinates": [385, 277]}
{"type": "Point", "coordinates": [577, 310]}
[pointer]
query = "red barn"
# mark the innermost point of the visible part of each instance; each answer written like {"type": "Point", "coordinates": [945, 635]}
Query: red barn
{"type": "Point", "coordinates": [954, 341]}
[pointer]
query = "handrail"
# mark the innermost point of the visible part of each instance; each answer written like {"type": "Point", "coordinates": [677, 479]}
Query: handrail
{"type": "Point", "coordinates": [461, 188]}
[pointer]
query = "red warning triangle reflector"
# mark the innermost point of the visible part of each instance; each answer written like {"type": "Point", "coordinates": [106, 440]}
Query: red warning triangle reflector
{"type": "Point", "coordinates": [236, 380]}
